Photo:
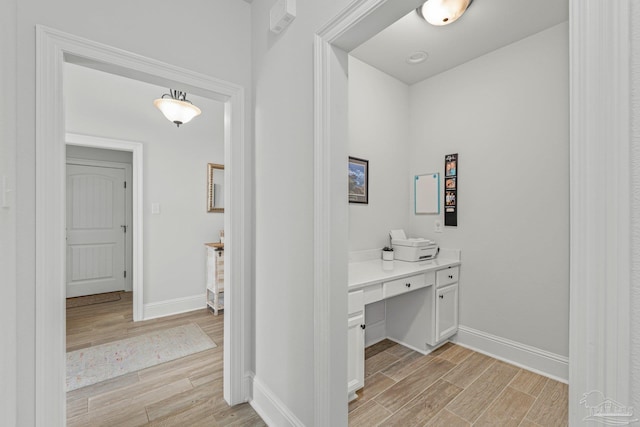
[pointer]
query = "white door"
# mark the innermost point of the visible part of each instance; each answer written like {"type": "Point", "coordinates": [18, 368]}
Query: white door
{"type": "Point", "coordinates": [95, 230]}
{"type": "Point", "coordinates": [446, 312]}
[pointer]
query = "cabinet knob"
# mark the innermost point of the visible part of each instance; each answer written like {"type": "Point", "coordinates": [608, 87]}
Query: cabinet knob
{"type": "Point", "coordinates": [450, 276]}
{"type": "Point", "coordinates": [441, 296]}
{"type": "Point", "coordinates": [408, 285]}
{"type": "Point", "coordinates": [363, 326]}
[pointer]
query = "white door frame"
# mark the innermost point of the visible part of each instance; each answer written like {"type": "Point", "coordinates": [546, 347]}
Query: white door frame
{"type": "Point", "coordinates": [53, 49]}
{"type": "Point", "coordinates": [137, 225]}
{"type": "Point", "coordinates": [599, 215]}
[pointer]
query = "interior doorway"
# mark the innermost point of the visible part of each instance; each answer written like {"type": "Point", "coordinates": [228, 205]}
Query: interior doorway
{"type": "Point", "coordinates": [174, 218]}
{"type": "Point", "coordinates": [54, 50]}
{"type": "Point", "coordinates": [599, 46]}
{"type": "Point", "coordinates": [91, 150]}
{"type": "Point", "coordinates": [99, 212]}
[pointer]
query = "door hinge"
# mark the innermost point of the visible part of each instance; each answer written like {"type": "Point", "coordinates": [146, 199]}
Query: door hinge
{"type": "Point", "coordinates": [125, 273]}
{"type": "Point", "coordinates": [125, 184]}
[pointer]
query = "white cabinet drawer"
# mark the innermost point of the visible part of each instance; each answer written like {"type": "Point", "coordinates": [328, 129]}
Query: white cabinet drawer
{"type": "Point", "coordinates": [373, 293]}
{"type": "Point", "coordinates": [400, 286]}
{"type": "Point", "coordinates": [447, 276]}
{"type": "Point", "coordinates": [356, 301]}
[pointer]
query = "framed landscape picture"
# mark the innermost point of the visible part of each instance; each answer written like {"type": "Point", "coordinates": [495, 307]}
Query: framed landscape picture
{"type": "Point", "coordinates": [358, 180]}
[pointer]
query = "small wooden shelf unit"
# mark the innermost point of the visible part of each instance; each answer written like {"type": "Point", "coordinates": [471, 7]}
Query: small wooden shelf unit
{"type": "Point", "coordinates": [215, 276]}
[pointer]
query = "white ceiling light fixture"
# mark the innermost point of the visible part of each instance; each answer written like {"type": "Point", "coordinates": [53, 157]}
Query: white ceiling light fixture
{"type": "Point", "coordinates": [176, 107]}
{"type": "Point", "coordinates": [443, 12]}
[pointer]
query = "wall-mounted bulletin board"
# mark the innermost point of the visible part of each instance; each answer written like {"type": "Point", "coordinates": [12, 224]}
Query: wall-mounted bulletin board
{"type": "Point", "coordinates": [451, 190]}
{"type": "Point", "coordinates": [427, 193]}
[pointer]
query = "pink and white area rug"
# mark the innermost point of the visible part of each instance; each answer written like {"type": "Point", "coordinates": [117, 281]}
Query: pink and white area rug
{"type": "Point", "coordinates": [102, 362]}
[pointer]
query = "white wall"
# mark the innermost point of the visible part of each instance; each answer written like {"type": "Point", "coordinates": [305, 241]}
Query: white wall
{"type": "Point", "coordinates": [506, 114]}
{"type": "Point", "coordinates": [175, 172]}
{"type": "Point", "coordinates": [379, 132]}
{"type": "Point", "coordinates": [8, 215]}
{"type": "Point", "coordinates": [212, 38]}
{"type": "Point", "coordinates": [635, 207]}
{"type": "Point", "coordinates": [284, 322]}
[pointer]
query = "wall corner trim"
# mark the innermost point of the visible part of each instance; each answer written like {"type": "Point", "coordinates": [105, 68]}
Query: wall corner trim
{"type": "Point", "coordinates": [600, 209]}
{"type": "Point", "coordinates": [271, 409]}
{"type": "Point", "coordinates": [527, 357]}
{"type": "Point", "coordinates": [328, 409]}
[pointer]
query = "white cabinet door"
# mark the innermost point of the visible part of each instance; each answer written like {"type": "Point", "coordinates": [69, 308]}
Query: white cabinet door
{"type": "Point", "coordinates": [446, 312]}
{"type": "Point", "coordinates": [355, 369]}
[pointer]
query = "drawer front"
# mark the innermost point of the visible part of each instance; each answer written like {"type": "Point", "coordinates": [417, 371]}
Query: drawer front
{"type": "Point", "coordinates": [356, 301]}
{"type": "Point", "coordinates": [400, 286]}
{"type": "Point", "coordinates": [372, 293]}
{"type": "Point", "coordinates": [447, 276]}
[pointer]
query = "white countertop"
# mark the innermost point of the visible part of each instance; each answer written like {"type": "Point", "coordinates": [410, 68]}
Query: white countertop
{"type": "Point", "coordinates": [364, 273]}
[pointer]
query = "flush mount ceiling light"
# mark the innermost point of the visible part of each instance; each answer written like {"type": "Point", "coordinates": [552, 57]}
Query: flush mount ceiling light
{"type": "Point", "coordinates": [417, 57]}
{"type": "Point", "coordinates": [176, 107]}
{"type": "Point", "coordinates": [443, 12]}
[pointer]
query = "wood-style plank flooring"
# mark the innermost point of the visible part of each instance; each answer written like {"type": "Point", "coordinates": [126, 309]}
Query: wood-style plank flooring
{"type": "Point", "coordinates": [453, 386]}
{"type": "Point", "coordinates": [183, 392]}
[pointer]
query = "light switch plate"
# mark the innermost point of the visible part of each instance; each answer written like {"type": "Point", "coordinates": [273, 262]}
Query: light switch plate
{"type": "Point", "coordinates": [437, 226]}
{"type": "Point", "coordinates": [155, 208]}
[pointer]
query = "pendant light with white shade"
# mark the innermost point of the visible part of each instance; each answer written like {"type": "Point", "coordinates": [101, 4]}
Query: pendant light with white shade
{"type": "Point", "coordinates": [443, 12]}
{"type": "Point", "coordinates": [176, 108]}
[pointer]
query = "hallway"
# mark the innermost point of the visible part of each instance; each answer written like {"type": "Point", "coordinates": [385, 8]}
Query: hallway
{"type": "Point", "coordinates": [186, 391]}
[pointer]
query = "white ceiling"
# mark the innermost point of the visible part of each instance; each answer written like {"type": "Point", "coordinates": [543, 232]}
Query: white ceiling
{"type": "Point", "coordinates": [486, 26]}
{"type": "Point", "coordinates": [96, 101]}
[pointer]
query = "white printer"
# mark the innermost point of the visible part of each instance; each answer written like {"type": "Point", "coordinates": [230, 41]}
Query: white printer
{"type": "Point", "coordinates": [412, 249]}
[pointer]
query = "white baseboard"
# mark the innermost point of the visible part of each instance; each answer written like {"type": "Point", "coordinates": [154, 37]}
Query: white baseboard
{"type": "Point", "coordinates": [153, 310]}
{"type": "Point", "coordinates": [375, 333]}
{"type": "Point", "coordinates": [270, 408]}
{"type": "Point", "coordinates": [416, 349]}
{"type": "Point", "coordinates": [533, 359]}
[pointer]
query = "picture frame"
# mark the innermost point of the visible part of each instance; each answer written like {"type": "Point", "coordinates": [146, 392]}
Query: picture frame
{"type": "Point", "coordinates": [451, 183]}
{"type": "Point", "coordinates": [215, 187]}
{"type": "Point", "coordinates": [358, 180]}
{"type": "Point", "coordinates": [450, 165]}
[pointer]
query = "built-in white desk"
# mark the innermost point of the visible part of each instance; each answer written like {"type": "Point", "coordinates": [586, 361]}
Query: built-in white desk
{"type": "Point", "coordinates": [421, 305]}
